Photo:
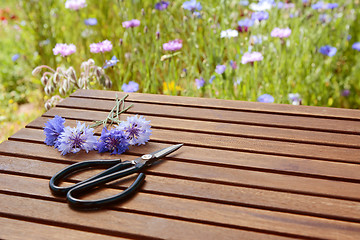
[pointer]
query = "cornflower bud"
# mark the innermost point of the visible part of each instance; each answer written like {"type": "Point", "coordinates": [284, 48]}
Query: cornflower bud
{"type": "Point", "coordinates": [157, 35]}
{"type": "Point", "coordinates": [121, 41]}
{"type": "Point", "coordinates": [146, 29]}
{"type": "Point", "coordinates": [142, 12]}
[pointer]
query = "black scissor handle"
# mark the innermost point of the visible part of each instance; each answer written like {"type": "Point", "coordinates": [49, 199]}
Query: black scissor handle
{"type": "Point", "coordinates": [98, 203]}
{"type": "Point", "coordinates": [58, 177]}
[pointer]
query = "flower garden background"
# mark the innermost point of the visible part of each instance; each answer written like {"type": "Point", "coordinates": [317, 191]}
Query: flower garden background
{"type": "Point", "coordinates": [290, 52]}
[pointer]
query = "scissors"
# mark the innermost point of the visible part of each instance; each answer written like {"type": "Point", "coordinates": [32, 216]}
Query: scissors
{"type": "Point", "coordinates": [117, 170]}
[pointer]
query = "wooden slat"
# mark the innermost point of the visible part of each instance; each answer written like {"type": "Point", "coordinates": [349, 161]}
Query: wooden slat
{"type": "Point", "coordinates": [209, 192]}
{"type": "Point", "coordinates": [20, 230]}
{"type": "Point", "coordinates": [234, 143]}
{"type": "Point", "coordinates": [262, 119]}
{"type": "Point", "coordinates": [253, 178]}
{"type": "Point", "coordinates": [253, 171]}
{"type": "Point", "coordinates": [224, 214]}
{"type": "Point", "coordinates": [224, 104]}
{"type": "Point", "coordinates": [249, 160]}
{"type": "Point", "coordinates": [219, 128]}
{"type": "Point", "coordinates": [122, 223]}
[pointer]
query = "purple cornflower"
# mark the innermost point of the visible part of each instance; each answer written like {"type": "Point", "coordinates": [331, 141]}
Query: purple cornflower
{"type": "Point", "coordinates": [15, 57]}
{"type": "Point", "coordinates": [266, 98]}
{"type": "Point", "coordinates": [282, 5]}
{"type": "Point", "coordinates": [90, 21]}
{"type": "Point", "coordinates": [260, 16]}
{"type": "Point", "coordinates": [162, 5]}
{"type": "Point", "coordinates": [75, 139]}
{"type": "Point", "coordinates": [244, 24]}
{"type": "Point", "coordinates": [113, 141]}
{"type": "Point", "coordinates": [53, 128]}
{"type": "Point", "coordinates": [104, 46]}
{"type": "Point", "coordinates": [345, 92]}
{"type": "Point", "coordinates": [251, 57]}
{"type": "Point", "coordinates": [131, 87]}
{"type": "Point", "coordinates": [137, 130]}
{"type": "Point", "coordinates": [331, 5]}
{"type": "Point", "coordinates": [295, 98]}
{"type": "Point", "coordinates": [64, 49]}
{"type": "Point", "coordinates": [281, 32]}
{"type": "Point", "coordinates": [75, 4]}
{"type": "Point", "coordinates": [111, 62]}
{"type": "Point", "coordinates": [356, 46]}
{"type": "Point", "coordinates": [130, 24]}
{"type": "Point", "coordinates": [233, 64]}
{"type": "Point", "coordinates": [328, 50]}
{"type": "Point", "coordinates": [200, 82]}
{"type": "Point", "coordinates": [173, 45]}
{"type": "Point", "coordinates": [192, 5]}
{"type": "Point", "coordinates": [220, 69]}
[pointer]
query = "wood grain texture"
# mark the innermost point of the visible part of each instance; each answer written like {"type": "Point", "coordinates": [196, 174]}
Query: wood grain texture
{"type": "Point", "coordinates": [246, 171]}
{"type": "Point", "coordinates": [20, 230]}
{"type": "Point", "coordinates": [323, 112]}
{"type": "Point", "coordinates": [218, 115]}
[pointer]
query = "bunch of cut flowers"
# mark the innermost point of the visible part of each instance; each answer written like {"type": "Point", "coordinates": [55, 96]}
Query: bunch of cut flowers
{"type": "Point", "coordinates": [134, 131]}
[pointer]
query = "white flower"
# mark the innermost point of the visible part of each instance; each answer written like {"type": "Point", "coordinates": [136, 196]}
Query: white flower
{"type": "Point", "coordinates": [229, 33]}
{"type": "Point", "coordinates": [260, 6]}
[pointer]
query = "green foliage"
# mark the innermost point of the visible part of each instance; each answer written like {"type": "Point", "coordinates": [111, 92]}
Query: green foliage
{"type": "Point", "coordinates": [292, 65]}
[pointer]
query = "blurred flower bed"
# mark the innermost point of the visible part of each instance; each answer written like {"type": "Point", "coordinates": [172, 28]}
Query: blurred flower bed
{"type": "Point", "coordinates": [291, 52]}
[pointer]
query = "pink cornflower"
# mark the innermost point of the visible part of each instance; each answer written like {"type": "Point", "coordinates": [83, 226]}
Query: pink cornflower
{"type": "Point", "coordinates": [281, 32]}
{"type": "Point", "coordinates": [104, 46]}
{"type": "Point", "coordinates": [130, 24]}
{"type": "Point", "coordinates": [173, 45]}
{"type": "Point", "coordinates": [251, 57]}
{"type": "Point", "coordinates": [64, 49]}
{"type": "Point", "coordinates": [75, 4]}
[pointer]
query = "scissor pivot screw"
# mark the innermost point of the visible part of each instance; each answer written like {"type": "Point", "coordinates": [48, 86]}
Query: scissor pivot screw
{"type": "Point", "coordinates": [146, 156]}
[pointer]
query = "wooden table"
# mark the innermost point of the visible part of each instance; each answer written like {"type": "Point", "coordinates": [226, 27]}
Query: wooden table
{"type": "Point", "coordinates": [247, 171]}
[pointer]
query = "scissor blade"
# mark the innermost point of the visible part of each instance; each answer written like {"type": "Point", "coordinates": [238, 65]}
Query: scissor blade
{"type": "Point", "coordinates": [166, 151]}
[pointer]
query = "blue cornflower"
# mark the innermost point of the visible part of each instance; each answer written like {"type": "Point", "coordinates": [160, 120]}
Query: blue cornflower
{"type": "Point", "coordinates": [244, 2]}
{"type": "Point", "coordinates": [200, 82]}
{"type": "Point", "coordinates": [75, 139]}
{"type": "Point", "coordinates": [136, 129]}
{"type": "Point", "coordinates": [15, 57]}
{"type": "Point", "coordinates": [53, 128]}
{"type": "Point", "coordinates": [212, 79]}
{"type": "Point", "coordinates": [131, 87]}
{"type": "Point", "coordinates": [356, 46]}
{"type": "Point", "coordinates": [262, 15]}
{"type": "Point", "coordinates": [331, 5]}
{"type": "Point", "coordinates": [244, 24]}
{"type": "Point", "coordinates": [192, 5]}
{"type": "Point", "coordinates": [318, 5]}
{"type": "Point", "coordinates": [328, 50]}
{"type": "Point", "coordinates": [90, 21]}
{"type": "Point", "coordinates": [113, 141]}
{"type": "Point", "coordinates": [162, 5]}
{"type": "Point", "coordinates": [220, 69]}
{"type": "Point", "coordinates": [266, 98]}
{"type": "Point", "coordinates": [111, 62]}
